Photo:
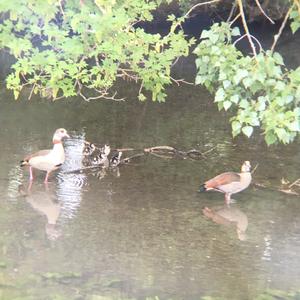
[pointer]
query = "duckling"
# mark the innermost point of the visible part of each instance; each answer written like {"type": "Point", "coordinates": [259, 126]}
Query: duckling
{"type": "Point", "coordinates": [115, 159]}
{"type": "Point", "coordinates": [96, 156]}
{"type": "Point", "coordinates": [88, 149]}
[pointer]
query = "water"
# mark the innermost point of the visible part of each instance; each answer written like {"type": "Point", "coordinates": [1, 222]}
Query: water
{"type": "Point", "coordinates": [139, 231]}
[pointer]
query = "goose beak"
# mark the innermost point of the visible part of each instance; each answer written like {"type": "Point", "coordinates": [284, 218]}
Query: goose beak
{"type": "Point", "coordinates": [66, 135]}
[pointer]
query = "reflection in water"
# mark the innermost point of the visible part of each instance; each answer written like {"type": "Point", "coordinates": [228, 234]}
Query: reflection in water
{"type": "Point", "coordinates": [267, 254]}
{"type": "Point", "coordinates": [43, 199]}
{"type": "Point", "coordinates": [15, 177]}
{"type": "Point", "coordinates": [69, 185]}
{"type": "Point", "coordinates": [229, 216]}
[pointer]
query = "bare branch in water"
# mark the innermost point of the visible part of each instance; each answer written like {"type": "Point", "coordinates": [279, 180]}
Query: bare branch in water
{"type": "Point", "coordinates": [254, 169]}
{"type": "Point", "coordinates": [296, 182]}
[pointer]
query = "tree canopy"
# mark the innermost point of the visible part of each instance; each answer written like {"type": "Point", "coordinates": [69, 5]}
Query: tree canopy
{"type": "Point", "coordinates": [81, 47]}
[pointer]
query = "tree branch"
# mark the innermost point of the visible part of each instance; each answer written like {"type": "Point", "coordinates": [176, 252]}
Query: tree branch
{"type": "Point", "coordinates": [200, 4]}
{"type": "Point", "coordinates": [240, 3]}
{"type": "Point", "coordinates": [263, 12]}
{"type": "Point", "coordinates": [253, 37]}
{"type": "Point", "coordinates": [276, 36]}
{"type": "Point", "coordinates": [178, 81]}
{"type": "Point", "coordinates": [231, 12]}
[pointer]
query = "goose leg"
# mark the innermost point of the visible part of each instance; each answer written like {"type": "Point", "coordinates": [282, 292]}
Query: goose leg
{"type": "Point", "coordinates": [30, 173]}
{"type": "Point", "coordinates": [46, 177]}
{"type": "Point", "coordinates": [29, 186]}
{"type": "Point", "coordinates": [227, 198]}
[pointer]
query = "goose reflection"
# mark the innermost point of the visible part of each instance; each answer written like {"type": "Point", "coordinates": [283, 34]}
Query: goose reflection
{"type": "Point", "coordinates": [43, 200]}
{"type": "Point", "coordinates": [229, 216]}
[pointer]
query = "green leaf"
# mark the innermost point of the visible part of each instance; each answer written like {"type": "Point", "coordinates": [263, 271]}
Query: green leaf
{"type": "Point", "coordinates": [278, 58]}
{"type": "Point", "coordinates": [226, 84]}
{"type": "Point", "coordinates": [234, 99]}
{"type": "Point", "coordinates": [247, 130]}
{"type": "Point", "coordinates": [205, 34]}
{"type": "Point", "coordinates": [270, 138]}
{"type": "Point", "coordinates": [247, 82]}
{"type": "Point", "coordinates": [227, 104]}
{"type": "Point", "coordinates": [235, 31]}
{"type": "Point", "coordinates": [240, 74]}
{"type": "Point", "coordinates": [295, 25]}
{"type": "Point", "coordinates": [236, 127]}
{"type": "Point", "coordinates": [142, 97]}
{"type": "Point", "coordinates": [199, 79]}
{"type": "Point", "coordinates": [244, 103]}
{"type": "Point", "coordinates": [280, 86]}
{"type": "Point", "coordinates": [16, 94]}
{"type": "Point", "coordinates": [220, 95]}
{"type": "Point", "coordinates": [294, 126]}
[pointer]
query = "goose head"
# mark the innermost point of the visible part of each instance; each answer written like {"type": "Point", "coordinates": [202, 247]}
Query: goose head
{"type": "Point", "coordinates": [59, 135]}
{"type": "Point", "coordinates": [246, 167]}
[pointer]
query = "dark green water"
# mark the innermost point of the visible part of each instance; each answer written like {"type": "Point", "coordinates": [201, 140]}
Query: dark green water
{"type": "Point", "coordinates": [139, 231]}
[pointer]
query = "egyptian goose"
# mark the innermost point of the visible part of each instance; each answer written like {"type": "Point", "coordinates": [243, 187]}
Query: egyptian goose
{"type": "Point", "coordinates": [230, 182]}
{"type": "Point", "coordinates": [48, 160]}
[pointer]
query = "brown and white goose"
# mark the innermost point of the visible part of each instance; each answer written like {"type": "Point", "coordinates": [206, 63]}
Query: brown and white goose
{"type": "Point", "coordinates": [48, 160]}
{"type": "Point", "coordinates": [230, 182]}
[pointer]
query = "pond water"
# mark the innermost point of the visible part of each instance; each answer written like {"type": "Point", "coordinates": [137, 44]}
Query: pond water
{"type": "Point", "coordinates": [139, 231]}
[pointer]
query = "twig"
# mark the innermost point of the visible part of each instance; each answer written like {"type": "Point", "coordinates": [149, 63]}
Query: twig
{"type": "Point", "coordinates": [141, 87]}
{"type": "Point", "coordinates": [125, 149]}
{"type": "Point", "coordinates": [31, 92]}
{"type": "Point", "coordinates": [276, 36]}
{"type": "Point", "coordinates": [208, 151]}
{"type": "Point", "coordinates": [236, 17]}
{"type": "Point", "coordinates": [127, 159]}
{"type": "Point", "coordinates": [177, 81]}
{"type": "Point", "coordinates": [160, 148]}
{"type": "Point", "coordinates": [61, 8]}
{"type": "Point", "coordinates": [296, 182]}
{"type": "Point", "coordinates": [175, 61]}
{"type": "Point", "coordinates": [254, 168]}
{"type": "Point", "coordinates": [102, 95]}
{"type": "Point", "coordinates": [231, 12]}
{"type": "Point", "coordinates": [200, 4]}
{"type": "Point", "coordinates": [253, 37]}
{"type": "Point", "coordinates": [240, 3]}
{"type": "Point", "coordinates": [263, 12]}
{"type": "Point", "coordinates": [161, 155]}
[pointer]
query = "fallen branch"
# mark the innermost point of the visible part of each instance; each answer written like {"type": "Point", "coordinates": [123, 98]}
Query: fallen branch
{"type": "Point", "coordinates": [128, 159]}
{"type": "Point", "coordinates": [166, 151]}
{"type": "Point", "coordinates": [124, 149]}
{"type": "Point", "coordinates": [296, 182]}
{"type": "Point", "coordinates": [252, 172]}
{"type": "Point", "coordinates": [160, 148]}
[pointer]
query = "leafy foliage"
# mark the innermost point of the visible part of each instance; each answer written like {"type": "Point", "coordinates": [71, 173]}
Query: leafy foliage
{"type": "Point", "coordinates": [259, 90]}
{"type": "Point", "coordinates": [295, 16]}
{"type": "Point", "coordinates": [76, 47]}
{"type": "Point", "coordinates": [65, 48]}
